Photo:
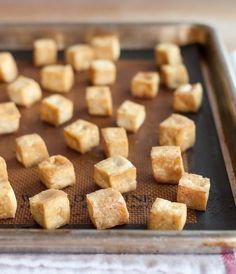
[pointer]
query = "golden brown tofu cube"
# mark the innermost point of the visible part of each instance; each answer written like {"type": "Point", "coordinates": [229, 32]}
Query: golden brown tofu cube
{"type": "Point", "coordinates": [56, 109]}
{"type": "Point", "coordinates": [45, 52]}
{"type": "Point", "coordinates": [81, 136]}
{"type": "Point", "coordinates": [174, 75]}
{"type": "Point", "coordinates": [130, 116]}
{"type": "Point", "coordinates": [31, 150]}
{"type": "Point", "coordinates": [167, 164]}
{"type": "Point", "coordinates": [167, 54]}
{"type": "Point", "coordinates": [107, 208]}
{"type": "Point", "coordinates": [8, 68]}
{"type": "Point", "coordinates": [24, 91]}
{"type": "Point", "coordinates": [177, 130]}
{"type": "Point", "coordinates": [102, 72]}
{"type": "Point", "coordinates": [167, 215]}
{"type": "Point", "coordinates": [80, 56]}
{"type": "Point", "coordinates": [57, 172]}
{"type": "Point", "coordinates": [99, 101]}
{"type": "Point", "coordinates": [50, 208]}
{"type": "Point", "coordinates": [57, 78]}
{"type": "Point", "coordinates": [193, 190]}
{"type": "Point", "coordinates": [116, 172]}
{"type": "Point", "coordinates": [115, 141]}
{"type": "Point", "coordinates": [8, 203]}
{"type": "Point", "coordinates": [3, 169]}
{"type": "Point", "coordinates": [188, 98]}
{"type": "Point", "coordinates": [9, 118]}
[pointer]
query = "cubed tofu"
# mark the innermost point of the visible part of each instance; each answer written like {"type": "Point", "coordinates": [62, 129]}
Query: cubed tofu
{"type": "Point", "coordinates": [193, 190]}
{"type": "Point", "coordinates": [177, 130]}
{"type": "Point", "coordinates": [188, 98]}
{"type": "Point", "coordinates": [174, 76]}
{"type": "Point", "coordinates": [99, 101]}
{"type": "Point", "coordinates": [50, 208]}
{"type": "Point", "coordinates": [57, 172]}
{"type": "Point", "coordinates": [116, 172]}
{"type": "Point", "coordinates": [8, 67]}
{"type": "Point", "coordinates": [24, 91]}
{"type": "Point", "coordinates": [107, 208]}
{"type": "Point", "coordinates": [80, 56]}
{"type": "Point", "coordinates": [167, 54]}
{"type": "Point", "coordinates": [130, 116]}
{"type": "Point", "coordinates": [3, 169]}
{"type": "Point", "coordinates": [31, 150]}
{"type": "Point", "coordinates": [81, 136]}
{"type": "Point", "coordinates": [57, 78]}
{"type": "Point", "coordinates": [9, 118]}
{"type": "Point", "coordinates": [115, 141]}
{"type": "Point", "coordinates": [167, 164]}
{"type": "Point", "coordinates": [56, 109]}
{"type": "Point", "coordinates": [167, 215]}
{"type": "Point", "coordinates": [8, 203]}
{"type": "Point", "coordinates": [102, 72]}
{"type": "Point", "coordinates": [45, 52]}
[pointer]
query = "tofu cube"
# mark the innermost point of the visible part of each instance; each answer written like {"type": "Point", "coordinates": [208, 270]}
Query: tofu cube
{"type": "Point", "coordinates": [167, 164]}
{"type": "Point", "coordinates": [116, 172]}
{"type": "Point", "coordinates": [193, 190]}
{"type": "Point", "coordinates": [24, 91]}
{"type": "Point", "coordinates": [115, 141]}
{"type": "Point", "coordinates": [31, 150]}
{"type": "Point", "coordinates": [45, 52]}
{"type": "Point", "coordinates": [102, 72]}
{"type": "Point", "coordinates": [50, 208]}
{"type": "Point", "coordinates": [8, 67]}
{"type": "Point", "coordinates": [167, 215]}
{"type": "Point", "coordinates": [9, 118]}
{"type": "Point", "coordinates": [107, 208]}
{"type": "Point", "coordinates": [130, 116]}
{"type": "Point", "coordinates": [167, 54]}
{"type": "Point", "coordinates": [56, 109]}
{"type": "Point", "coordinates": [99, 101]}
{"type": "Point", "coordinates": [81, 136]}
{"type": "Point", "coordinates": [188, 98]}
{"type": "Point", "coordinates": [3, 170]}
{"type": "Point", "coordinates": [177, 130]}
{"type": "Point", "coordinates": [57, 78]}
{"type": "Point", "coordinates": [174, 76]}
{"type": "Point", "coordinates": [8, 202]}
{"type": "Point", "coordinates": [80, 56]}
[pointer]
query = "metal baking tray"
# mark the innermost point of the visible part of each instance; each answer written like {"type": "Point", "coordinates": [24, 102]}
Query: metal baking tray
{"type": "Point", "coordinates": [214, 154]}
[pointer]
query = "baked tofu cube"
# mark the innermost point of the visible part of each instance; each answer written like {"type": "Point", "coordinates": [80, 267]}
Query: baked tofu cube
{"type": "Point", "coordinates": [130, 116]}
{"type": "Point", "coordinates": [57, 78]}
{"type": "Point", "coordinates": [167, 54]}
{"type": "Point", "coordinates": [188, 98]}
{"type": "Point", "coordinates": [57, 172]}
{"type": "Point", "coordinates": [24, 91]}
{"type": "Point", "coordinates": [80, 56]}
{"type": "Point", "coordinates": [107, 208]}
{"type": "Point", "coordinates": [8, 203]}
{"type": "Point", "coordinates": [106, 47]}
{"type": "Point", "coordinates": [9, 118]}
{"type": "Point", "coordinates": [177, 130]}
{"type": "Point", "coordinates": [3, 169]}
{"type": "Point", "coordinates": [115, 141]}
{"type": "Point", "coordinates": [31, 150]}
{"type": "Point", "coordinates": [116, 172]}
{"type": "Point", "coordinates": [193, 190]}
{"type": "Point", "coordinates": [167, 215]}
{"type": "Point", "coordinates": [56, 109]}
{"type": "Point", "coordinates": [99, 101]}
{"type": "Point", "coordinates": [81, 136]}
{"type": "Point", "coordinates": [102, 72]}
{"type": "Point", "coordinates": [174, 75]}
{"type": "Point", "coordinates": [50, 208]}
{"type": "Point", "coordinates": [45, 52]}
{"type": "Point", "coordinates": [8, 68]}
{"type": "Point", "coordinates": [167, 164]}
